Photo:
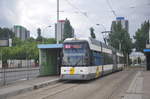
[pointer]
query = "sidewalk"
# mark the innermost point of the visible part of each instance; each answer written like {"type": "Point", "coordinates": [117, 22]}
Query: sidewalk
{"type": "Point", "coordinates": [146, 85]}
{"type": "Point", "coordinates": [27, 85]}
{"type": "Point", "coordinates": [139, 87]}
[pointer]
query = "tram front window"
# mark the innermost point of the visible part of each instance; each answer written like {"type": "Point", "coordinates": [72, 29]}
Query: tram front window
{"type": "Point", "coordinates": [75, 55]}
{"type": "Point", "coordinates": [73, 60]}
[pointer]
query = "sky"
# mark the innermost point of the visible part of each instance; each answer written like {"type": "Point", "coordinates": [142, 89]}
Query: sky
{"type": "Point", "coordinates": [82, 14]}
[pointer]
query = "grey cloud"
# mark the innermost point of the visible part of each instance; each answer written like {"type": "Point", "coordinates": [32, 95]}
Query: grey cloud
{"type": "Point", "coordinates": [98, 11]}
{"type": "Point", "coordinates": [9, 13]}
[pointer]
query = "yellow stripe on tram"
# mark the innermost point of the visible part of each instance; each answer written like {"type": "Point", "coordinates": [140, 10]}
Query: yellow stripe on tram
{"type": "Point", "coordinates": [97, 72]}
{"type": "Point", "coordinates": [72, 71]}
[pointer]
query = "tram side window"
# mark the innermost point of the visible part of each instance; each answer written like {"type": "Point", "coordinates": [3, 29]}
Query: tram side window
{"type": "Point", "coordinates": [118, 60]}
{"type": "Point", "coordinates": [96, 58]}
{"type": "Point", "coordinates": [108, 58]}
{"type": "Point", "coordinates": [121, 60]}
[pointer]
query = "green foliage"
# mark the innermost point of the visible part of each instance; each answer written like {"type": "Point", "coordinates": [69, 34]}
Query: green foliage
{"type": "Point", "coordinates": [120, 39]}
{"type": "Point", "coordinates": [31, 39]}
{"type": "Point", "coordinates": [92, 33]}
{"type": "Point", "coordinates": [39, 37]}
{"type": "Point", "coordinates": [6, 33]}
{"type": "Point", "coordinates": [23, 49]}
{"type": "Point", "coordinates": [141, 36]}
{"type": "Point", "coordinates": [16, 41]}
{"type": "Point", "coordinates": [49, 41]}
{"type": "Point", "coordinates": [68, 30]}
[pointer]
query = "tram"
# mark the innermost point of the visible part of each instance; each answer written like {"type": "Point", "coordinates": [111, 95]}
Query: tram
{"type": "Point", "coordinates": [87, 58]}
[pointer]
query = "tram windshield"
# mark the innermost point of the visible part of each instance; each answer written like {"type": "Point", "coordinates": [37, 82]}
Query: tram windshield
{"type": "Point", "coordinates": [75, 54]}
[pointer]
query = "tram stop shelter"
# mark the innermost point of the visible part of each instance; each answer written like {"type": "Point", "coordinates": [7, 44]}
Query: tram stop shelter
{"type": "Point", "coordinates": [147, 53]}
{"type": "Point", "coordinates": [50, 59]}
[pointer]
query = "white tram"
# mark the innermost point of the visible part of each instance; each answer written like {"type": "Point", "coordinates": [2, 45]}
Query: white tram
{"type": "Point", "coordinates": [87, 58]}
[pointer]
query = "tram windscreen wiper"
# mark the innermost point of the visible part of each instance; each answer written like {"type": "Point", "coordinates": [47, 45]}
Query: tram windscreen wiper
{"type": "Point", "coordinates": [78, 61]}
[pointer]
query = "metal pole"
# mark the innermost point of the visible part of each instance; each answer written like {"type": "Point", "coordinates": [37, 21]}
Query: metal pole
{"type": "Point", "coordinates": [57, 21]}
{"type": "Point", "coordinates": [44, 31]}
{"type": "Point", "coordinates": [57, 10]}
{"type": "Point", "coordinates": [4, 82]}
{"type": "Point", "coordinates": [104, 36]}
{"type": "Point", "coordinates": [1, 58]}
{"type": "Point", "coordinates": [120, 46]}
{"type": "Point", "coordinates": [27, 67]}
{"type": "Point", "coordinates": [149, 35]}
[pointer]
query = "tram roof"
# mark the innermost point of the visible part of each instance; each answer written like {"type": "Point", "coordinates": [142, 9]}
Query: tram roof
{"type": "Point", "coordinates": [93, 41]}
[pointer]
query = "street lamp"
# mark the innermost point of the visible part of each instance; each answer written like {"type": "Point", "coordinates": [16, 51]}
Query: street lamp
{"type": "Point", "coordinates": [45, 29]}
{"type": "Point", "coordinates": [102, 26]}
{"type": "Point", "coordinates": [104, 38]}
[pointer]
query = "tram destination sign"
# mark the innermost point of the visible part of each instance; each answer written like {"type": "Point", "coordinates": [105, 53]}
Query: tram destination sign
{"type": "Point", "coordinates": [67, 46]}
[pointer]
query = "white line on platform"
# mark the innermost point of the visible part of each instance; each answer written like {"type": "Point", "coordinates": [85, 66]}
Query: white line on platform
{"type": "Point", "coordinates": [135, 89]}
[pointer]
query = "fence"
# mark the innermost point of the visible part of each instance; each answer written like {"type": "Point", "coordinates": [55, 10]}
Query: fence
{"type": "Point", "coordinates": [9, 75]}
{"type": "Point", "coordinates": [21, 63]}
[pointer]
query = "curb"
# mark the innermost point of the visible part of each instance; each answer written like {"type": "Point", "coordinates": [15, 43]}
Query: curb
{"type": "Point", "coordinates": [28, 88]}
{"type": "Point", "coordinates": [46, 83]}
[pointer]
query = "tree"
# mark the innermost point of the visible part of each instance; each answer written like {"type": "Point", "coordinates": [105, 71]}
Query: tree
{"type": "Point", "coordinates": [39, 37]}
{"type": "Point", "coordinates": [16, 41]}
{"type": "Point", "coordinates": [120, 39]}
{"type": "Point", "coordinates": [92, 33]}
{"type": "Point", "coordinates": [6, 33]}
{"type": "Point", "coordinates": [68, 30]}
{"type": "Point", "coordinates": [26, 49]}
{"type": "Point", "coordinates": [49, 41]}
{"type": "Point", "coordinates": [141, 36]}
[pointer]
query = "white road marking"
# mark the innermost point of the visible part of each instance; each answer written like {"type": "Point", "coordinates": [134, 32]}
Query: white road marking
{"type": "Point", "coordinates": [135, 89]}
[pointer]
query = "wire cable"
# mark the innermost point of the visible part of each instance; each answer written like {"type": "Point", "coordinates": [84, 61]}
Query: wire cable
{"type": "Point", "coordinates": [84, 14]}
{"type": "Point", "coordinates": [113, 11]}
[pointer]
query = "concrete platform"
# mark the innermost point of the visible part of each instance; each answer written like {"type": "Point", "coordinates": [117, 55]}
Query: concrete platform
{"type": "Point", "coordinates": [24, 86]}
{"type": "Point", "coordinates": [139, 87]}
{"type": "Point", "coordinates": [146, 85]}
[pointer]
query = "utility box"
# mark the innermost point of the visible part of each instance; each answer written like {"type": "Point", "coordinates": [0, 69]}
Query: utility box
{"type": "Point", "coordinates": [50, 59]}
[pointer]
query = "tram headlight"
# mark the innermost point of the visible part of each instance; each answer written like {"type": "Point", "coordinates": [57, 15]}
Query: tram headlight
{"type": "Point", "coordinates": [81, 70]}
{"type": "Point", "coordinates": [83, 76]}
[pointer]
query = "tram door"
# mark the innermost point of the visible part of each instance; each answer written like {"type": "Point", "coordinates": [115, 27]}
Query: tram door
{"type": "Point", "coordinates": [59, 60]}
{"type": "Point", "coordinates": [114, 61]}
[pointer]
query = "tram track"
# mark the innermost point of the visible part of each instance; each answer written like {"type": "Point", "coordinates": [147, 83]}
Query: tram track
{"type": "Point", "coordinates": [44, 93]}
{"type": "Point", "coordinates": [106, 87]}
{"type": "Point", "coordinates": [110, 87]}
{"type": "Point", "coordinates": [102, 86]}
{"type": "Point", "coordinates": [59, 91]}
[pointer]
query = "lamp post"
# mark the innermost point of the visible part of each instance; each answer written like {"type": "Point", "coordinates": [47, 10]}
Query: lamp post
{"type": "Point", "coordinates": [104, 38]}
{"type": "Point", "coordinates": [46, 28]}
{"type": "Point", "coordinates": [103, 27]}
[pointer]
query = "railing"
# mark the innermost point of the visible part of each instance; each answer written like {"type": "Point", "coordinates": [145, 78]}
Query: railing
{"type": "Point", "coordinates": [10, 75]}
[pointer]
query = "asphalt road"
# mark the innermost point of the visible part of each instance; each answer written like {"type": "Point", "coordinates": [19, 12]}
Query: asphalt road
{"type": "Point", "coordinates": [108, 87]}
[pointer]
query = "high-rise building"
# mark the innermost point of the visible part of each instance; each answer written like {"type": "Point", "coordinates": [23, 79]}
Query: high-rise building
{"type": "Point", "coordinates": [124, 23]}
{"type": "Point", "coordinates": [21, 32]}
{"type": "Point", "coordinates": [60, 34]}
